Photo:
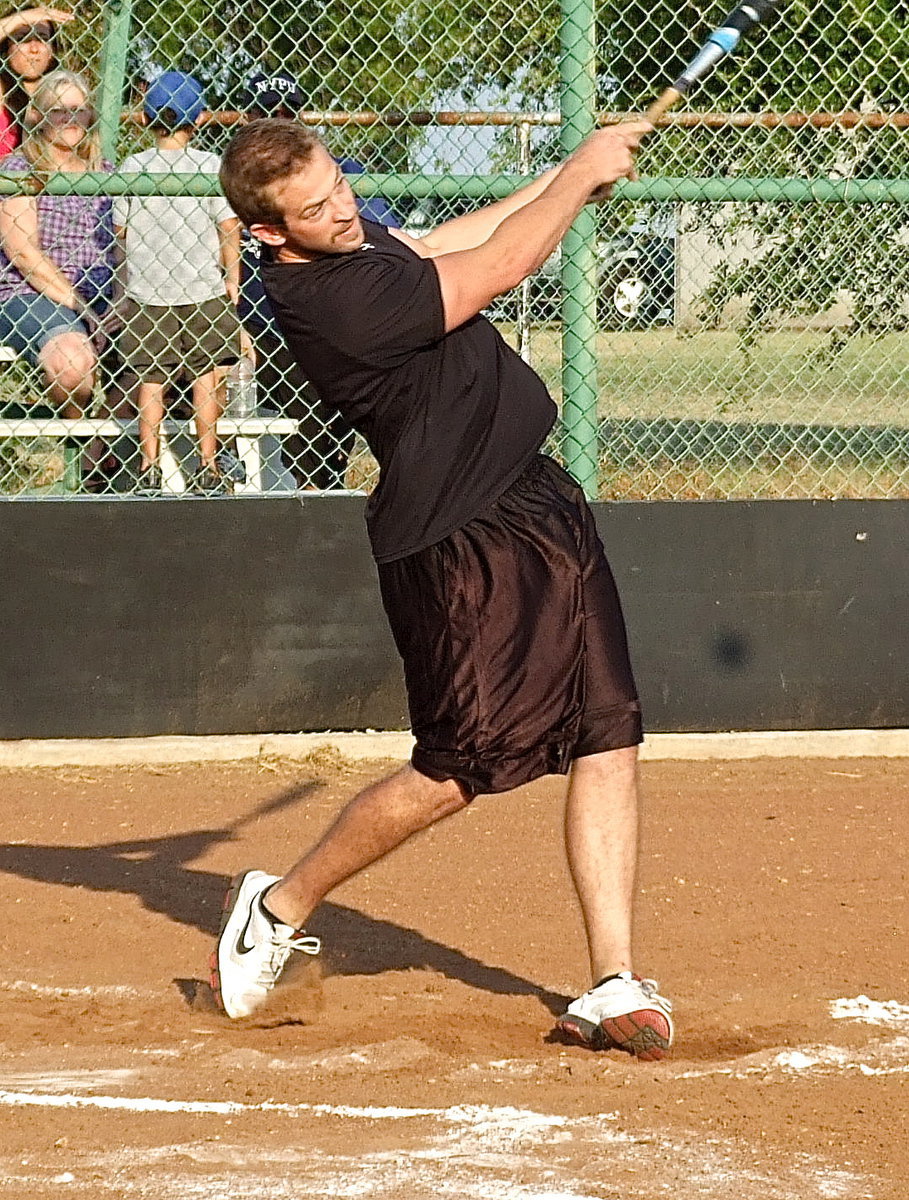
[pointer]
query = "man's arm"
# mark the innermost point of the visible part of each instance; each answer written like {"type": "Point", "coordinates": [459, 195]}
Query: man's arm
{"type": "Point", "coordinates": [525, 236]}
{"type": "Point", "coordinates": [474, 228]}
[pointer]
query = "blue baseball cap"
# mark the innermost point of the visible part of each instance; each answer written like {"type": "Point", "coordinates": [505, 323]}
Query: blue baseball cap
{"type": "Point", "coordinates": [181, 93]}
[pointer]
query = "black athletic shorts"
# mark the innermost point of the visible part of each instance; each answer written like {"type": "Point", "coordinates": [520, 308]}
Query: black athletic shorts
{"type": "Point", "coordinates": [514, 647]}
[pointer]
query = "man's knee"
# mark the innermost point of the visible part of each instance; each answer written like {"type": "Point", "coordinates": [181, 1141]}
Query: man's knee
{"type": "Point", "coordinates": [442, 796]}
{"type": "Point", "coordinates": [607, 762]}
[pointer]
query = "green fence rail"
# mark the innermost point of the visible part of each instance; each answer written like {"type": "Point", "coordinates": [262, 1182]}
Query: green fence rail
{"type": "Point", "coordinates": [721, 190]}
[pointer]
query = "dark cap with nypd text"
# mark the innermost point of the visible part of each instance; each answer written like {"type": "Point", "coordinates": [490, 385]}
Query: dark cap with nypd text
{"type": "Point", "coordinates": [268, 94]}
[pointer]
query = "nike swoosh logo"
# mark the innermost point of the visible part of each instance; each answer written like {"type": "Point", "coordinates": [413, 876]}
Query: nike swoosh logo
{"type": "Point", "coordinates": [242, 947]}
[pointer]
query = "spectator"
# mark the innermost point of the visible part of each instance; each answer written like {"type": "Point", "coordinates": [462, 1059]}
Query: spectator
{"type": "Point", "coordinates": [182, 256]}
{"type": "Point", "coordinates": [317, 455]}
{"type": "Point", "coordinates": [57, 260]}
{"type": "Point", "coordinates": [27, 53]}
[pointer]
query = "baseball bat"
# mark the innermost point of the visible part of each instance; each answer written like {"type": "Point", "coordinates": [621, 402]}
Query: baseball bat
{"type": "Point", "coordinates": [724, 39]}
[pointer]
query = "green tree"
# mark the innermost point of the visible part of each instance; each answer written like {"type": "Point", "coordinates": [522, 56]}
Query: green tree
{"type": "Point", "coordinates": [809, 54]}
{"type": "Point", "coordinates": [812, 57]}
{"type": "Point", "coordinates": [385, 55]}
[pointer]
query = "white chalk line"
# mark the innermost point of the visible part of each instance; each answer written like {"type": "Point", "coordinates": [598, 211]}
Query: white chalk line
{"type": "Point", "coordinates": [111, 991]}
{"type": "Point", "coordinates": [879, 1059]}
{"type": "Point", "coordinates": [888, 1058]}
{"type": "Point", "coordinates": [870, 1012]}
{"type": "Point", "coordinates": [149, 1104]}
{"type": "Point", "coordinates": [477, 1115]}
{"type": "Point", "coordinates": [73, 1079]}
{"type": "Point", "coordinates": [485, 1147]}
{"type": "Point", "coordinates": [485, 1153]}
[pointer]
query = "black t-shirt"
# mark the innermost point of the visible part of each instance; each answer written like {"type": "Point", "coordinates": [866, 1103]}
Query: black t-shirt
{"type": "Point", "coordinates": [452, 418]}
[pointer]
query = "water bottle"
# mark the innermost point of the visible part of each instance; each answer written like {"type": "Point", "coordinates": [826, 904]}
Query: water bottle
{"type": "Point", "coordinates": [241, 389]}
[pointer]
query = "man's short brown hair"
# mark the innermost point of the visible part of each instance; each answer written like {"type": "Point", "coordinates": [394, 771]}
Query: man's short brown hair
{"type": "Point", "coordinates": [261, 154]}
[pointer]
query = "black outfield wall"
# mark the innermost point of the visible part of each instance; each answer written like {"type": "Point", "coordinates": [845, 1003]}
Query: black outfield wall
{"type": "Point", "coordinates": [245, 615]}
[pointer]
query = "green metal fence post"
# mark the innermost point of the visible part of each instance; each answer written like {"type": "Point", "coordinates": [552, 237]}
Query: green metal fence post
{"type": "Point", "coordinates": [117, 21]}
{"type": "Point", "coordinates": [579, 328]}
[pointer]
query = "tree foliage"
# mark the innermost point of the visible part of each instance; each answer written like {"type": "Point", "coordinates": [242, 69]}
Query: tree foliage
{"type": "Point", "coordinates": [844, 56]}
{"type": "Point", "coordinates": [400, 55]}
{"type": "Point", "coordinates": [380, 54]}
{"type": "Point", "coordinates": [810, 54]}
{"type": "Point", "coordinates": [383, 55]}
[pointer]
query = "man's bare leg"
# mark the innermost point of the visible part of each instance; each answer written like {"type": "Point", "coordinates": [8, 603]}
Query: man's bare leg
{"type": "Point", "coordinates": [261, 925]}
{"type": "Point", "coordinates": [601, 839]}
{"type": "Point", "coordinates": [376, 821]}
{"type": "Point", "coordinates": [621, 1011]}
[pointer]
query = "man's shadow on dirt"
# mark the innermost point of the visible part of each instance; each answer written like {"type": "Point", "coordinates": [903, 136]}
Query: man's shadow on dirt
{"type": "Point", "coordinates": [157, 871]}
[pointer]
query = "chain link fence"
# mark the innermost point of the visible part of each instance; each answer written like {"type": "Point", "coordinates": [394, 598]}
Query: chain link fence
{"type": "Point", "coordinates": [733, 324]}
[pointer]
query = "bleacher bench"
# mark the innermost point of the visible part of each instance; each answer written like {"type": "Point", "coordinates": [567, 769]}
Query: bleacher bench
{"type": "Point", "coordinates": [248, 432]}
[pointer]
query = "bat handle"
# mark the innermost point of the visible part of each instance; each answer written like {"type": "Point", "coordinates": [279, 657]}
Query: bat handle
{"type": "Point", "coordinates": [662, 104]}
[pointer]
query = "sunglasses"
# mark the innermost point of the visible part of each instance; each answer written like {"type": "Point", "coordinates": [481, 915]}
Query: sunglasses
{"type": "Point", "coordinates": [60, 118]}
{"type": "Point", "coordinates": [34, 33]}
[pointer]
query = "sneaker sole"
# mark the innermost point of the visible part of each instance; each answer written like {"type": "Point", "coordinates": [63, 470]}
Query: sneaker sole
{"type": "Point", "coordinates": [230, 899]}
{"type": "Point", "coordinates": [644, 1033]}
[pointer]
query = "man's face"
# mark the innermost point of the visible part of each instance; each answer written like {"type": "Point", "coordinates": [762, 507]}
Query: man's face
{"type": "Point", "coordinates": [320, 212]}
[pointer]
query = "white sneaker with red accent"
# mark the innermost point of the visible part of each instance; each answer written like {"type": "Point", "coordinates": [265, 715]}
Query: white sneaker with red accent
{"type": "Point", "coordinates": [622, 1012]}
{"type": "Point", "coordinates": [252, 949]}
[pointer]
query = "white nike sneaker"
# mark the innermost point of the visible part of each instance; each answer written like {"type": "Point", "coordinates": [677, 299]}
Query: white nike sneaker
{"type": "Point", "coordinates": [252, 949]}
{"type": "Point", "coordinates": [623, 1012]}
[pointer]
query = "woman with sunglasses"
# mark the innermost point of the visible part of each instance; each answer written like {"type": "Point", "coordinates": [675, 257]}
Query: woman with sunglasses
{"type": "Point", "coordinates": [57, 252]}
{"type": "Point", "coordinates": [28, 52]}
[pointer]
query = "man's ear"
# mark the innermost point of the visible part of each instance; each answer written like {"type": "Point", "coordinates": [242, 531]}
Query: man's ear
{"type": "Point", "coordinates": [271, 235]}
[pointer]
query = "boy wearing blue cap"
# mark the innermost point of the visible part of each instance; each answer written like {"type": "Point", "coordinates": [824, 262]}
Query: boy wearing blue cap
{"type": "Point", "coordinates": [182, 277]}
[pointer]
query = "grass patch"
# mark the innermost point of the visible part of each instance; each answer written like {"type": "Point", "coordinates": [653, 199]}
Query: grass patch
{"type": "Point", "coordinates": [789, 376]}
{"type": "Point", "coordinates": [802, 414]}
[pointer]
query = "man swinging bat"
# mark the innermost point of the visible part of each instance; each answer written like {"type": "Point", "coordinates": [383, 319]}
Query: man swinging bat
{"type": "Point", "coordinates": [496, 586]}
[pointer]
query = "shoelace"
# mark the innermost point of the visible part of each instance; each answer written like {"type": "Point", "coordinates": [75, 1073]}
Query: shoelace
{"type": "Point", "coordinates": [282, 946]}
{"type": "Point", "coordinates": [649, 988]}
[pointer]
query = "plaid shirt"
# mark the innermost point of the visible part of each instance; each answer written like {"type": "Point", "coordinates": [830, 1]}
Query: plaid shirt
{"type": "Point", "coordinates": [76, 234]}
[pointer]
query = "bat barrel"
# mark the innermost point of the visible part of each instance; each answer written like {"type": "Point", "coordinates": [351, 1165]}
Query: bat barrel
{"type": "Point", "coordinates": [724, 40]}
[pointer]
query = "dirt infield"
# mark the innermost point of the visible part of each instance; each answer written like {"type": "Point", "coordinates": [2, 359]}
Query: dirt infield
{"type": "Point", "coordinates": [772, 909]}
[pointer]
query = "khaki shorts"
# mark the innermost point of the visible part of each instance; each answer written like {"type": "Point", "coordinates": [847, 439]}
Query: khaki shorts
{"type": "Point", "coordinates": [515, 656]}
{"type": "Point", "coordinates": [162, 342]}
